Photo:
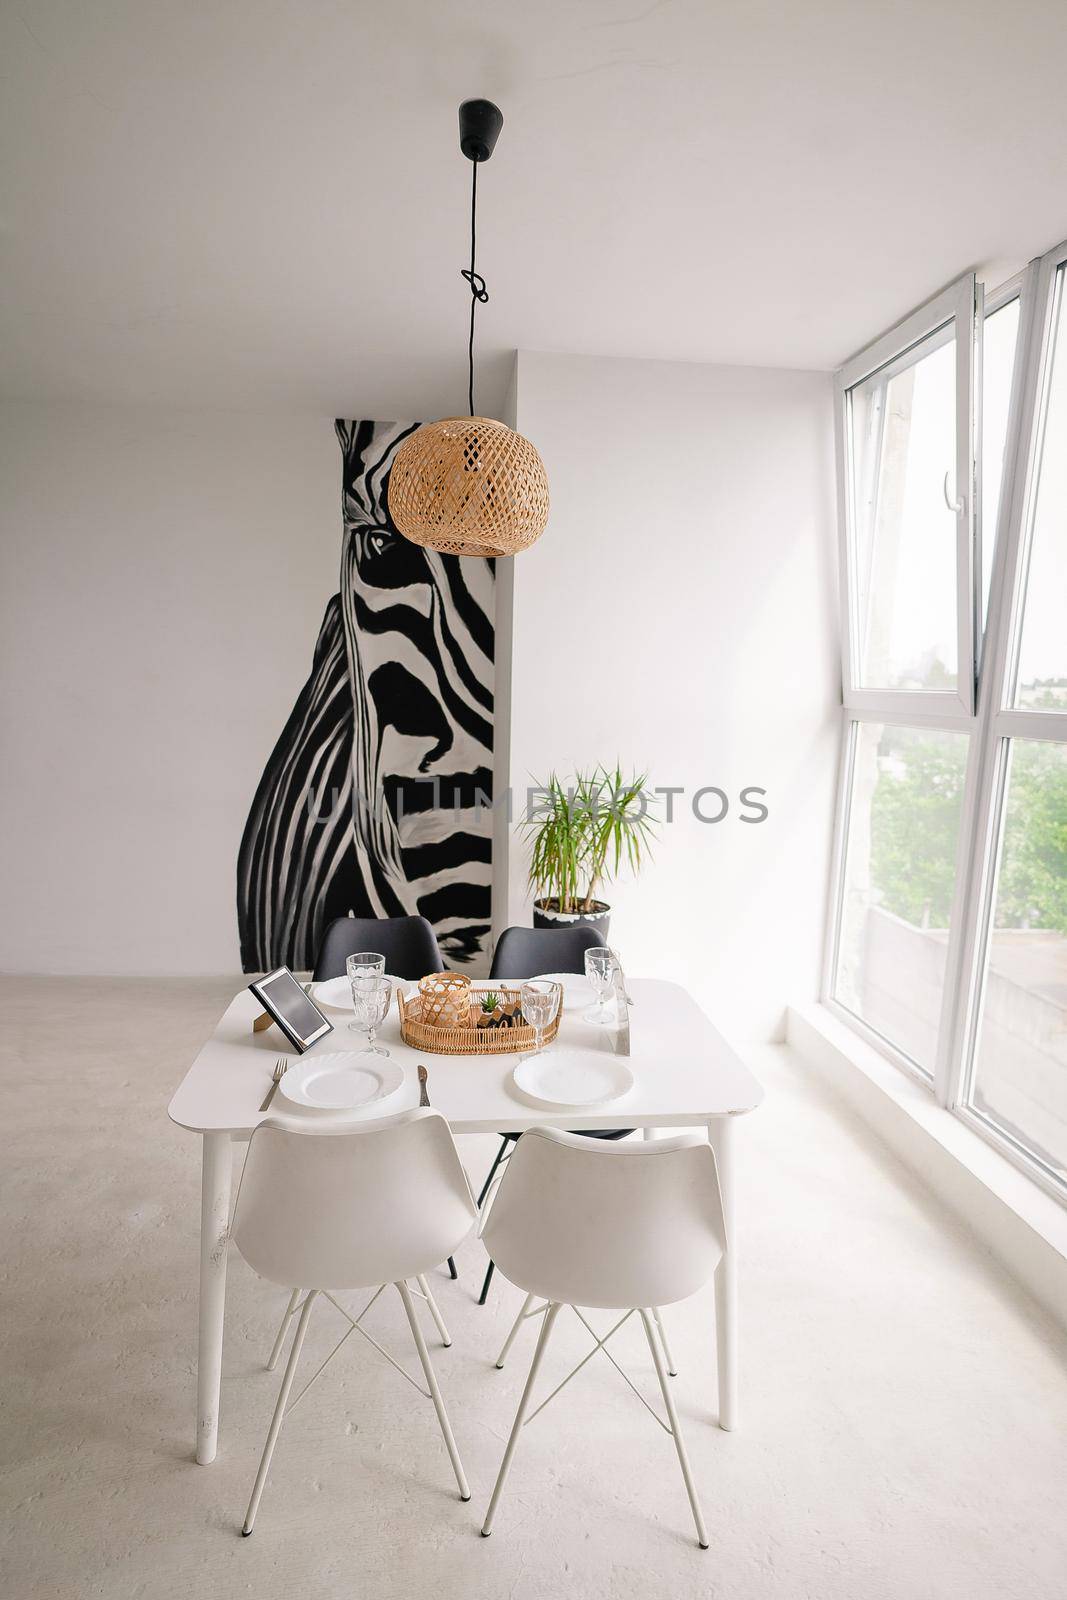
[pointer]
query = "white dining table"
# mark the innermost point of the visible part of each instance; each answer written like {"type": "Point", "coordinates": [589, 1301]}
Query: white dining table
{"type": "Point", "coordinates": [685, 1075]}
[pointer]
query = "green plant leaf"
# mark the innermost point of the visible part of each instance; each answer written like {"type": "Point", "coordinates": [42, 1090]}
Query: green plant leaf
{"type": "Point", "coordinates": [585, 832]}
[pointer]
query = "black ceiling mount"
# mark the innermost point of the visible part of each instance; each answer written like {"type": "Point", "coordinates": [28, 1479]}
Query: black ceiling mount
{"type": "Point", "coordinates": [480, 122]}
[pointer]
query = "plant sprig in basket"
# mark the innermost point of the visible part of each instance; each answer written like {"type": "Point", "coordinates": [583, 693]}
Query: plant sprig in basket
{"type": "Point", "coordinates": [496, 1010]}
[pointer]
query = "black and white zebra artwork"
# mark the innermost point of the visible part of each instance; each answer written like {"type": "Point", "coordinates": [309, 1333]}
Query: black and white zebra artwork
{"type": "Point", "coordinates": [376, 799]}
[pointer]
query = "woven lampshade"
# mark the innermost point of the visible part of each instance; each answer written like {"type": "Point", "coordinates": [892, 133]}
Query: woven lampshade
{"type": "Point", "coordinates": [469, 486]}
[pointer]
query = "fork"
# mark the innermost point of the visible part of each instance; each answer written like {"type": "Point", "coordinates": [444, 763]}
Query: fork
{"type": "Point", "coordinates": [280, 1067]}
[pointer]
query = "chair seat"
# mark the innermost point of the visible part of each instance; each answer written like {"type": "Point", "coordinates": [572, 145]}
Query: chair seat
{"type": "Point", "coordinates": [408, 944]}
{"type": "Point", "coordinates": [513, 1138]}
{"type": "Point", "coordinates": [588, 1133]}
{"type": "Point", "coordinates": [620, 1230]}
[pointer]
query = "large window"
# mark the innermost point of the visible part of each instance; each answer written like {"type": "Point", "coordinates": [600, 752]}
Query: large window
{"type": "Point", "coordinates": [903, 423]}
{"type": "Point", "coordinates": [905, 794]}
{"type": "Point", "coordinates": [948, 939]}
{"type": "Point", "coordinates": [1020, 1065]}
{"type": "Point", "coordinates": [1042, 676]}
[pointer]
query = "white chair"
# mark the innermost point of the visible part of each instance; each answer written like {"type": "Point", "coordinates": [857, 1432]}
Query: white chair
{"type": "Point", "coordinates": [627, 1227]}
{"type": "Point", "coordinates": [352, 1208]}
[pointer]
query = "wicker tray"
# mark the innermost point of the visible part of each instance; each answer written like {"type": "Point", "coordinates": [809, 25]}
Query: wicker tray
{"type": "Point", "coordinates": [468, 1041]}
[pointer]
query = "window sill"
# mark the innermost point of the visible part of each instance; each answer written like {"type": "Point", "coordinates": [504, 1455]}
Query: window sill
{"type": "Point", "coordinates": [1021, 1225]}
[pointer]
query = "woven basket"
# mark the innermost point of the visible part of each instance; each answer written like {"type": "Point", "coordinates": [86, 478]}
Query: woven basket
{"type": "Point", "coordinates": [469, 486]}
{"type": "Point", "coordinates": [472, 1041]}
{"type": "Point", "coordinates": [446, 999]}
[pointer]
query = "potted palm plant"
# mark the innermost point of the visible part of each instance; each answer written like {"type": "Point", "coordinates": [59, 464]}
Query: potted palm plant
{"type": "Point", "coordinates": [581, 835]}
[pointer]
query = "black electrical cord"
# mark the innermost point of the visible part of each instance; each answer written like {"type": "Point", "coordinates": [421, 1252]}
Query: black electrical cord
{"type": "Point", "coordinates": [478, 290]}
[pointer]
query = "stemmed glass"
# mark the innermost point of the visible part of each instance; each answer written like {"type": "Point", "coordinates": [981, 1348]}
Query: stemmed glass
{"type": "Point", "coordinates": [363, 964]}
{"type": "Point", "coordinates": [370, 1002]}
{"type": "Point", "coordinates": [540, 999]}
{"type": "Point", "coordinates": [600, 967]}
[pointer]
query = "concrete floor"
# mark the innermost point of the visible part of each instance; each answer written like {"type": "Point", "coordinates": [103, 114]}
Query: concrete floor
{"type": "Point", "coordinates": [904, 1426]}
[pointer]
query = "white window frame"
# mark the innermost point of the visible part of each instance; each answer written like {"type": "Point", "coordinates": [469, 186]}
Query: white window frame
{"type": "Point", "coordinates": [990, 719]}
{"type": "Point", "coordinates": [957, 311]}
{"type": "Point", "coordinates": [991, 519]}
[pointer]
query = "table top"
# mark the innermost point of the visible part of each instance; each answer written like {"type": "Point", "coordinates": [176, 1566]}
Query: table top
{"type": "Point", "coordinates": [685, 1073]}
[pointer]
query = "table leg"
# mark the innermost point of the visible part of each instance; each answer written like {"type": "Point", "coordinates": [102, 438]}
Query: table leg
{"type": "Point", "coordinates": [214, 1229]}
{"type": "Point", "coordinates": [721, 1135]}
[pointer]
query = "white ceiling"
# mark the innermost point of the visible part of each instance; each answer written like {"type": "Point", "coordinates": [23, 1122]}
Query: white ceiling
{"type": "Point", "coordinates": [262, 204]}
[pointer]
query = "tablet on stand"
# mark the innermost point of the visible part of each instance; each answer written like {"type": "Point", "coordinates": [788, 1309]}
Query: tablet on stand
{"type": "Point", "coordinates": [285, 1002]}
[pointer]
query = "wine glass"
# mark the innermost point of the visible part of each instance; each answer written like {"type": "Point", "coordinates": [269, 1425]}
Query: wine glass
{"type": "Point", "coordinates": [363, 964]}
{"type": "Point", "coordinates": [600, 967]}
{"type": "Point", "coordinates": [540, 999]}
{"type": "Point", "coordinates": [371, 994]}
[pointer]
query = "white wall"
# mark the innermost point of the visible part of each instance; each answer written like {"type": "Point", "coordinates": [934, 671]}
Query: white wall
{"type": "Point", "coordinates": [679, 613]}
{"type": "Point", "coordinates": [163, 578]}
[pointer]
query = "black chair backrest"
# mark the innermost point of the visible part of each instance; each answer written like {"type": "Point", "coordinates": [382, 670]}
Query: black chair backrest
{"type": "Point", "coordinates": [526, 952]}
{"type": "Point", "coordinates": [408, 944]}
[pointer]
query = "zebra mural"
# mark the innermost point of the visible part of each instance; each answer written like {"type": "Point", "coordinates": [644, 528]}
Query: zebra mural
{"type": "Point", "coordinates": [376, 798]}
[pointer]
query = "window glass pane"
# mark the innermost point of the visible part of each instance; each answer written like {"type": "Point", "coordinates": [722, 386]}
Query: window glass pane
{"type": "Point", "coordinates": [999, 337]}
{"type": "Point", "coordinates": [900, 869]}
{"type": "Point", "coordinates": [903, 444]}
{"type": "Point", "coordinates": [1042, 678]}
{"type": "Point", "coordinates": [1020, 1077]}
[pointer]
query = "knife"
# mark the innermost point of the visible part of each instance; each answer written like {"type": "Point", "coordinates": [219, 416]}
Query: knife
{"type": "Point", "coordinates": [424, 1097]}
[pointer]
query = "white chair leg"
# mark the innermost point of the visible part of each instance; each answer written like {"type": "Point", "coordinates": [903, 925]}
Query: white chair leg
{"type": "Point", "coordinates": [435, 1393]}
{"type": "Point", "coordinates": [513, 1335]}
{"type": "Point", "coordinates": [439, 1321]}
{"type": "Point", "coordinates": [661, 1330]}
{"type": "Point", "coordinates": [280, 1340]}
{"type": "Point", "coordinates": [520, 1415]}
{"type": "Point", "coordinates": [279, 1412]}
{"type": "Point", "coordinates": [676, 1430]}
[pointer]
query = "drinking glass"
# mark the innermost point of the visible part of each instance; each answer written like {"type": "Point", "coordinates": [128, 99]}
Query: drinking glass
{"type": "Point", "coordinates": [363, 964]}
{"type": "Point", "coordinates": [600, 965]}
{"type": "Point", "coordinates": [371, 995]}
{"type": "Point", "coordinates": [540, 999]}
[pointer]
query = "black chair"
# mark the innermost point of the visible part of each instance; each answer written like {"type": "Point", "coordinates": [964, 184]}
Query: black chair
{"type": "Point", "coordinates": [407, 943]}
{"type": "Point", "coordinates": [526, 953]}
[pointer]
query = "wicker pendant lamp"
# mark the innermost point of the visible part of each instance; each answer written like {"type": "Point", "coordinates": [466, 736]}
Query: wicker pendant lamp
{"type": "Point", "coordinates": [469, 486]}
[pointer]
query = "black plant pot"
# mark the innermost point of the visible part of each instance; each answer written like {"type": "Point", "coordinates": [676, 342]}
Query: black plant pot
{"type": "Point", "coordinates": [545, 915]}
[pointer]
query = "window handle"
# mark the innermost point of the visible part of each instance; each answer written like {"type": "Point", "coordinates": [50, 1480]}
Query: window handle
{"type": "Point", "coordinates": [955, 506]}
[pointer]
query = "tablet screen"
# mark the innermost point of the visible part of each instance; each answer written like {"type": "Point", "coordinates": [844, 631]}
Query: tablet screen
{"type": "Point", "coordinates": [288, 1000]}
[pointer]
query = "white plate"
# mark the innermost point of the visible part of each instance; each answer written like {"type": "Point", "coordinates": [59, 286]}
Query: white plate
{"type": "Point", "coordinates": [341, 1080]}
{"type": "Point", "coordinates": [572, 1080]}
{"type": "Point", "coordinates": [335, 994]}
{"type": "Point", "coordinates": [577, 990]}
